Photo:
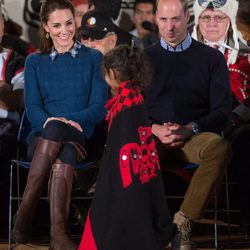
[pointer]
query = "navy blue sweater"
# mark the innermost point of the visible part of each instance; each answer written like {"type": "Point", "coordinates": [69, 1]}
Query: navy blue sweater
{"type": "Point", "coordinates": [189, 86]}
{"type": "Point", "coordinates": [65, 87]}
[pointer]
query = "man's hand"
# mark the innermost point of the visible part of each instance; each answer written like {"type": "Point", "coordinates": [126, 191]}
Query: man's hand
{"type": "Point", "coordinates": [75, 125]}
{"type": "Point", "coordinates": [172, 135]}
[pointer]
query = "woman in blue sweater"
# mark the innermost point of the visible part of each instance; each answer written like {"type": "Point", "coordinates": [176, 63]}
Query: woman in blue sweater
{"type": "Point", "coordinates": [64, 98]}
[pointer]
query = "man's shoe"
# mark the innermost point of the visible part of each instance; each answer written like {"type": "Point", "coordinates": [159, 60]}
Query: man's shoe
{"type": "Point", "coordinates": [182, 240]}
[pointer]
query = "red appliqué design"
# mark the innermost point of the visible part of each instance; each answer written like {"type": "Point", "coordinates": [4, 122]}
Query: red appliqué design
{"type": "Point", "coordinates": [143, 158]}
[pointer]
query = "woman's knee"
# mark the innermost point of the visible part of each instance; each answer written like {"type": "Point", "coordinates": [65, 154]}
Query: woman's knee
{"type": "Point", "coordinates": [53, 130]}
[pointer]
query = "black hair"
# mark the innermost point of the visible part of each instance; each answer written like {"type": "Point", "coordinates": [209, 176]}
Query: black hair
{"type": "Point", "coordinates": [153, 2]}
{"type": "Point", "coordinates": [128, 64]}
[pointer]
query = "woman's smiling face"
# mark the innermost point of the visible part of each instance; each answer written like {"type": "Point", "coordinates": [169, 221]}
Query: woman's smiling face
{"type": "Point", "coordinates": [61, 28]}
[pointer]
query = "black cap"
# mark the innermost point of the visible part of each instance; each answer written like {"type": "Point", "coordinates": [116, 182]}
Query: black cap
{"type": "Point", "coordinates": [96, 25]}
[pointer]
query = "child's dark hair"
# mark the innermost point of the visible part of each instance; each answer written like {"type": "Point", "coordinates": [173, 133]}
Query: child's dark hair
{"type": "Point", "coordinates": [128, 64]}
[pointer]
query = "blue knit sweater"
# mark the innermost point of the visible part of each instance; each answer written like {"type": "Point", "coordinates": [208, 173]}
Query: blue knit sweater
{"type": "Point", "coordinates": [70, 87]}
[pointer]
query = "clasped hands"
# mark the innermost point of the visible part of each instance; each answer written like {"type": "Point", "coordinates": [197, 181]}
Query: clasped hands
{"type": "Point", "coordinates": [62, 119]}
{"type": "Point", "coordinates": [172, 135]}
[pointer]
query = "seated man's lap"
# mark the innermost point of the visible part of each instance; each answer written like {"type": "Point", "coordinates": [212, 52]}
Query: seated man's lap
{"type": "Point", "coordinates": [195, 150]}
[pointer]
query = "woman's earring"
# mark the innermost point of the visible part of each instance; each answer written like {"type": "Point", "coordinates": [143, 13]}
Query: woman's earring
{"type": "Point", "coordinates": [47, 35]}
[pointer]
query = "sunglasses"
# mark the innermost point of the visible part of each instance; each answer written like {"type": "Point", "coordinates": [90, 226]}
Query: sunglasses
{"type": "Point", "coordinates": [85, 37]}
{"type": "Point", "coordinates": [215, 3]}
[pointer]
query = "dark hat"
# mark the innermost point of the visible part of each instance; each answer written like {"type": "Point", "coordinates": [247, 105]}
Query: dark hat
{"type": "Point", "coordinates": [96, 25]}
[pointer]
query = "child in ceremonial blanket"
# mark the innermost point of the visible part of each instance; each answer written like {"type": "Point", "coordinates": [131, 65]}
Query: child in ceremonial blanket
{"type": "Point", "coordinates": [129, 209]}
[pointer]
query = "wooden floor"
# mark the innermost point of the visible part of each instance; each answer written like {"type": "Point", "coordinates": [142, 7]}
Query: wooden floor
{"type": "Point", "coordinates": [203, 237]}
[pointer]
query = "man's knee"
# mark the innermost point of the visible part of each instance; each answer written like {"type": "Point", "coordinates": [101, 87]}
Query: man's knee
{"type": "Point", "coordinates": [216, 145]}
{"type": "Point", "coordinates": [216, 150]}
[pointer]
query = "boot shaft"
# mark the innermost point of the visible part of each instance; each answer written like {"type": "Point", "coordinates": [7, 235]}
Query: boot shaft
{"type": "Point", "coordinates": [60, 192]}
{"type": "Point", "coordinates": [45, 154]}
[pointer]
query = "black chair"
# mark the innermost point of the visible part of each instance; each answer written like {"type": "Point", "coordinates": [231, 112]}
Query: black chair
{"type": "Point", "coordinates": [23, 132]}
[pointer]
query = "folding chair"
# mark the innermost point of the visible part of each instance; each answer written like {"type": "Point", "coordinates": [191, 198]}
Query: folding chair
{"type": "Point", "coordinates": [23, 132]}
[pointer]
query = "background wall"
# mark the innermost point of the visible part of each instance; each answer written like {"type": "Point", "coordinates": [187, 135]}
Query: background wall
{"type": "Point", "coordinates": [15, 11]}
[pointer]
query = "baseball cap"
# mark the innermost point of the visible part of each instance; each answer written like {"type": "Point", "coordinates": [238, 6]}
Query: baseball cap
{"type": "Point", "coordinates": [96, 25]}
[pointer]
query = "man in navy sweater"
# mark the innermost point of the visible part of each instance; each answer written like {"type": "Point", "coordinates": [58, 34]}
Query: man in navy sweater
{"type": "Point", "coordinates": [189, 104]}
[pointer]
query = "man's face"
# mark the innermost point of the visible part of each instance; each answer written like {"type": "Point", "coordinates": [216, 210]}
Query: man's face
{"type": "Point", "coordinates": [143, 12]}
{"type": "Point", "coordinates": [172, 21]}
{"type": "Point", "coordinates": [80, 10]}
{"type": "Point", "coordinates": [213, 25]}
{"type": "Point", "coordinates": [104, 45]}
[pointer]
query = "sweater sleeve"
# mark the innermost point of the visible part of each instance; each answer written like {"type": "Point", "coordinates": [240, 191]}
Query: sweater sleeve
{"type": "Point", "coordinates": [95, 112]}
{"type": "Point", "coordinates": [220, 97]}
{"type": "Point", "coordinates": [33, 101]}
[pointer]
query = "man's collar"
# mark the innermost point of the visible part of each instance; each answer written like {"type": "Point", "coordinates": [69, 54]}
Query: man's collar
{"type": "Point", "coordinates": [73, 51]}
{"type": "Point", "coordinates": [185, 44]}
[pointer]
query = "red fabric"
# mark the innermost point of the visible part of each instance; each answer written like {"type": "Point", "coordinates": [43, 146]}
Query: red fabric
{"type": "Point", "coordinates": [88, 241]}
{"type": "Point", "coordinates": [79, 2]}
{"type": "Point", "coordinates": [141, 158]}
{"type": "Point", "coordinates": [126, 96]}
{"type": "Point", "coordinates": [30, 50]}
{"type": "Point", "coordinates": [240, 77]}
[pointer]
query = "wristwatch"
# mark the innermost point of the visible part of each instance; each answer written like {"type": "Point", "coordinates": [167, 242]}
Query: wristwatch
{"type": "Point", "coordinates": [195, 127]}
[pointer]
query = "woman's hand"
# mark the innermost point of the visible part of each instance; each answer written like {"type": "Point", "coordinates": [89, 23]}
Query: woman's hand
{"type": "Point", "coordinates": [75, 125]}
{"type": "Point", "coordinates": [62, 119]}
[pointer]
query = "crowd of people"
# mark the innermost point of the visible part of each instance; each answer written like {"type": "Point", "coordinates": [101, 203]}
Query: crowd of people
{"type": "Point", "coordinates": [167, 97]}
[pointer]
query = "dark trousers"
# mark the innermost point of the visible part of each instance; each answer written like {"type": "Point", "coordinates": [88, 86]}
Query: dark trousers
{"type": "Point", "coordinates": [60, 132]}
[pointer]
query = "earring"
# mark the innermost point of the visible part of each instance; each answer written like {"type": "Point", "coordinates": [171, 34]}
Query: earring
{"type": "Point", "coordinates": [47, 35]}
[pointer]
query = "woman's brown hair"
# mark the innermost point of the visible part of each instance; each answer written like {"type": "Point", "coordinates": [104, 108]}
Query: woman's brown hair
{"type": "Point", "coordinates": [47, 7]}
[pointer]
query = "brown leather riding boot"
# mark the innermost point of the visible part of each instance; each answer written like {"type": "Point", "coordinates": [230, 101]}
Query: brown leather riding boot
{"type": "Point", "coordinates": [60, 191]}
{"type": "Point", "coordinates": [44, 156]}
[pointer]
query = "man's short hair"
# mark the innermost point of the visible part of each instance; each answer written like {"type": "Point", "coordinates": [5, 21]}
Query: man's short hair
{"type": "Point", "coordinates": [184, 4]}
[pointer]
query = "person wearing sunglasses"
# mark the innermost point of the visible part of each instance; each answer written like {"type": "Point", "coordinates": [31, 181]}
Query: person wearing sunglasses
{"type": "Point", "coordinates": [216, 26]}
